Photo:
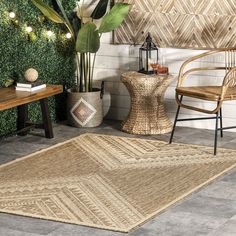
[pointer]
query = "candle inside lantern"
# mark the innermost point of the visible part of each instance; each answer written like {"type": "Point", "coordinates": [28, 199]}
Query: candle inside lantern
{"type": "Point", "coordinates": [151, 61]}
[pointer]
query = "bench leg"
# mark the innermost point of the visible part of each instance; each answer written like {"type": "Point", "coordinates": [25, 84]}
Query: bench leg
{"type": "Point", "coordinates": [22, 118]}
{"type": "Point", "coordinates": [46, 118]}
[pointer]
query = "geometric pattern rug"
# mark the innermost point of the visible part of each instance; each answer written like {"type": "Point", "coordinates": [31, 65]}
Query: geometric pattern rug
{"type": "Point", "coordinates": [108, 182]}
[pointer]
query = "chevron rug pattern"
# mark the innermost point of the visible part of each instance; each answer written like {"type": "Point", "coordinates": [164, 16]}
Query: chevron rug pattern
{"type": "Point", "coordinates": [180, 23]}
{"type": "Point", "coordinates": [107, 182]}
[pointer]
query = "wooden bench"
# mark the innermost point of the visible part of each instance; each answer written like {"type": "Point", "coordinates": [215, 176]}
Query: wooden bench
{"type": "Point", "coordinates": [10, 98]}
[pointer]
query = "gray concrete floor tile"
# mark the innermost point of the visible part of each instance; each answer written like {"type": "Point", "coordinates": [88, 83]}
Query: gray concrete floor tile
{"type": "Point", "coordinates": [231, 177]}
{"type": "Point", "coordinates": [221, 189]}
{"type": "Point", "coordinates": [180, 223]}
{"type": "Point", "coordinates": [5, 158]}
{"type": "Point", "coordinates": [145, 231]}
{"type": "Point", "coordinates": [208, 206]}
{"type": "Point", "coordinates": [10, 232]}
{"type": "Point", "coordinates": [27, 224]}
{"type": "Point", "coordinates": [75, 230]}
{"type": "Point", "coordinates": [203, 137]}
{"type": "Point", "coordinates": [228, 229]}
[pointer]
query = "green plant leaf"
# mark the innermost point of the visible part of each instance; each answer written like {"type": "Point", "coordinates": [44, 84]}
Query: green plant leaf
{"type": "Point", "coordinates": [76, 24]}
{"type": "Point", "coordinates": [88, 39]}
{"type": "Point", "coordinates": [49, 12]}
{"type": "Point", "coordinates": [114, 18]}
{"type": "Point", "coordinates": [100, 9]}
{"type": "Point", "coordinates": [67, 22]}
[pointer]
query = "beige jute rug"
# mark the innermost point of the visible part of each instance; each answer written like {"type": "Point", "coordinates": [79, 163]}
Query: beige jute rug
{"type": "Point", "coordinates": [107, 182]}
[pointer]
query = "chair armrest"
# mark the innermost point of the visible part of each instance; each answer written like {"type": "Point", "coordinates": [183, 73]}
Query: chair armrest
{"type": "Point", "coordinates": [183, 74]}
{"type": "Point", "coordinates": [230, 78]}
{"type": "Point", "coordinates": [229, 81]}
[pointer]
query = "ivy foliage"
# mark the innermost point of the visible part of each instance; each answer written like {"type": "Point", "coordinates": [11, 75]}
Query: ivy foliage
{"type": "Point", "coordinates": [52, 57]}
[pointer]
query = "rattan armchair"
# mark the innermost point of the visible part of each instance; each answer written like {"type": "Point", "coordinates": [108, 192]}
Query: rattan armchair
{"type": "Point", "coordinates": [217, 94]}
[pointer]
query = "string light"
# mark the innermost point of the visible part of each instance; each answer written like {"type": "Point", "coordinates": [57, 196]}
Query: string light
{"type": "Point", "coordinates": [49, 33]}
{"type": "Point", "coordinates": [12, 15]}
{"type": "Point", "coordinates": [68, 35]}
{"type": "Point", "coordinates": [29, 29]}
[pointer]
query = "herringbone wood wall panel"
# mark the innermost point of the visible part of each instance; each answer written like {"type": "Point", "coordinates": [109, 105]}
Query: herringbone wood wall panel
{"type": "Point", "coordinates": [180, 23]}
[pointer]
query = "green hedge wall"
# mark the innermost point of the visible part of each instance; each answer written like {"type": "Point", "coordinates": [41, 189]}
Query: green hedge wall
{"type": "Point", "coordinates": [53, 58]}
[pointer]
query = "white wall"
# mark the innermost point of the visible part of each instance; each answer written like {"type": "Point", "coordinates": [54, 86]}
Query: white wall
{"type": "Point", "coordinates": [113, 60]}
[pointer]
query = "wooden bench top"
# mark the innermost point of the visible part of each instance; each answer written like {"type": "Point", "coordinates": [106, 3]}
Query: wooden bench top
{"type": "Point", "coordinates": [10, 98]}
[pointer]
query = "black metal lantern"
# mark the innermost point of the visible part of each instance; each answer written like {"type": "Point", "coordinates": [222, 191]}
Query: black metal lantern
{"type": "Point", "coordinates": [148, 55]}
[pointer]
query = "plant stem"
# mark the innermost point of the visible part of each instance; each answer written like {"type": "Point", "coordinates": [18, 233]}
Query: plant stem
{"type": "Point", "coordinates": [82, 12]}
{"type": "Point", "coordinates": [84, 70]}
{"type": "Point", "coordinates": [92, 69]}
{"type": "Point", "coordinates": [77, 70]}
{"type": "Point", "coordinates": [89, 70]}
{"type": "Point", "coordinates": [81, 73]}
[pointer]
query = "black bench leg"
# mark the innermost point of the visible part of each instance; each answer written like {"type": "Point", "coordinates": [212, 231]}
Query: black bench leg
{"type": "Point", "coordinates": [46, 118]}
{"type": "Point", "coordinates": [22, 118]}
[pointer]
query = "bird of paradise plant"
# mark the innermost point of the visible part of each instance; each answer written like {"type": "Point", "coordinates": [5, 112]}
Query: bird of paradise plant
{"type": "Point", "coordinates": [85, 33]}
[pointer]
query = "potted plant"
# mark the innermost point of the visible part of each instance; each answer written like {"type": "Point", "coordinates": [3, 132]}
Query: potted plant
{"type": "Point", "coordinates": [85, 101]}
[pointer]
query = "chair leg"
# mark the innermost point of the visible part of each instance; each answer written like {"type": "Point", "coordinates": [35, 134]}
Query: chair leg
{"type": "Point", "coordinates": [176, 118]}
{"type": "Point", "coordinates": [216, 133]}
{"type": "Point", "coordinates": [221, 123]}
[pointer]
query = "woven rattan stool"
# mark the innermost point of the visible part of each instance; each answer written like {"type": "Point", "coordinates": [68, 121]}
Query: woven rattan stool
{"type": "Point", "coordinates": [147, 112]}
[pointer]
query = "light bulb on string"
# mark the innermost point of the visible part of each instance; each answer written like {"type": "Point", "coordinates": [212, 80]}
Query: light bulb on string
{"type": "Point", "coordinates": [49, 33]}
{"type": "Point", "coordinates": [29, 29]}
{"type": "Point", "coordinates": [12, 15]}
{"type": "Point", "coordinates": [31, 35]}
{"type": "Point", "coordinates": [68, 35]}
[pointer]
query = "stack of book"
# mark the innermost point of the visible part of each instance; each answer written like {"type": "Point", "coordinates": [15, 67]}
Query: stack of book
{"type": "Point", "coordinates": [30, 86]}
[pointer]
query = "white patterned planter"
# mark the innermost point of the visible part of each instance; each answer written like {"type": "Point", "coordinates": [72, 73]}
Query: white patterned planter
{"type": "Point", "coordinates": [84, 109]}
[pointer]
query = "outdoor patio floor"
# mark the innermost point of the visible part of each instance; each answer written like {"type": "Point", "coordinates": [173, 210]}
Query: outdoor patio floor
{"type": "Point", "coordinates": [210, 211]}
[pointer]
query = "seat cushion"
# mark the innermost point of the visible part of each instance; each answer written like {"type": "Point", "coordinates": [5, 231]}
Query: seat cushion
{"type": "Point", "coordinates": [211, 93]}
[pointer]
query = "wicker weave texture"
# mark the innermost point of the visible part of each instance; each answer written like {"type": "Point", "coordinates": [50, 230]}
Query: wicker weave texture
{"type": "Point", "coordinates": [147, 112]}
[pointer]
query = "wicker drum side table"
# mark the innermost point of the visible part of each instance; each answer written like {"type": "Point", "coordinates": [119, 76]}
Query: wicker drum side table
{"type": "Point", "coordinates": [147, 112]}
